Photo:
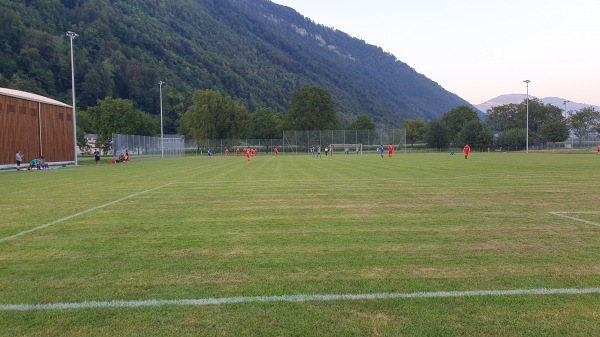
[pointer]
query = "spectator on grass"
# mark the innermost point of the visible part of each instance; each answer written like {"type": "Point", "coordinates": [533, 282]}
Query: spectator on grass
{"type": "Point", "coordinates": [42, 163]}
{"type": "Point", "coordinates": [33, 164]}
{"type": "Point", "coordinates": [19, 158]}
{"type": "Point", "coordinates": [97, 157]}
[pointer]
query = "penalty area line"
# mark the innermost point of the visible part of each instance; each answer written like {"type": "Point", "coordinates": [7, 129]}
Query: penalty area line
{"type": "Point", "coordinates": [564, 215]}
{"type": "Point", "coordinates": [8, 238]}
{"type": "Point", "coordinates": [292, 298]}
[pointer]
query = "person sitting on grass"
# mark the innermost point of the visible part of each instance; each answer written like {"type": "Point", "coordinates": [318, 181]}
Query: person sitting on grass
{"type": "Point", "coordinates": [33, 164]}
{"type": "Point", "coordinates": [42, 163]}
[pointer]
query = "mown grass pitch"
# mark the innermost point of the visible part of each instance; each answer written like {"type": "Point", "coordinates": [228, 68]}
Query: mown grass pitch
{"type": "Point", "coordinates": [196, 228]}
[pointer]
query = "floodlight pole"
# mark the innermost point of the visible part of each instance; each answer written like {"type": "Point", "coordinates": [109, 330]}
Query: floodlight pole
{"type": "Point", "coordinates": [527, 138]}
{"type": "Point", "coordinates": [162, 141]}
{"type": "Point", "coordinates": [565, 104]}
{"type": "Point", "coordinates": [73, 35]}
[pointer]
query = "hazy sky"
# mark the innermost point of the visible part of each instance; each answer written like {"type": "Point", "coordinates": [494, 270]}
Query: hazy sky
{"type": "Point", "coordinates": [480, 49]}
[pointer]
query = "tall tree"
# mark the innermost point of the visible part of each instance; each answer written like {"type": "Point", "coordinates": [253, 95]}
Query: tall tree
{"type": "Point", "coordinates": [118, 115]}
{"type": "Point", "coordinates": [509, 117]}
{"type": "Point", "coordinates": [82, 142]}
{"type": "Point", "coordinates": [415, 130]}
{"type": "Point", "coordinates": [512, 138]}
{"type": "Point", "coordinates": [311, 108]}
{"type": "Point", "coordinates": [437, 136]}
{"type": "Point", "coordinates": [555, 130]}
{"type": "Point", "coordinates": [213, 116]}
{"type": "Point", "coordinates": [469, 134]}
{"type": "Point", "coordinates": [362, 122]}
{"type": "Point", "coordinates": [456, 120]}
{"type": "Point", "coordinates": [584, 122]}
{"type": "Point", "coordinates": [264, 124]}
{"type": "Point", "coordinates": [84, 122]}
{"type": "Point", "coordinates": [505, 117]}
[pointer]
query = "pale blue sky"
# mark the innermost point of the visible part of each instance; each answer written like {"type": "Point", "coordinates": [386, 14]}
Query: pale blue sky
{"type": "Point", "coordinates": [480, 49]}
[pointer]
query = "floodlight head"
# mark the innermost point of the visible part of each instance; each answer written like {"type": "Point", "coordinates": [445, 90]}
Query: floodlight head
{"type": "Point", "coordinates": [72, 35]}
{"type": "Point", "coordinates": [527, 81]}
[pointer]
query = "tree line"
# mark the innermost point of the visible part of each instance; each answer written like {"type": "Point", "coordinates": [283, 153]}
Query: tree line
{"type": "Point", "coordinates": [213, 115]}
{"type": "Point", "coordinates": [505, 126]}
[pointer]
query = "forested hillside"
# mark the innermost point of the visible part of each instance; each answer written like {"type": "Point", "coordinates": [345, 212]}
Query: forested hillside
{"type": "Point", "coordinates": [252, 50]}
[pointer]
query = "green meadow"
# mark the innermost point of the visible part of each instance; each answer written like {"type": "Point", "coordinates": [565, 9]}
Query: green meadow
{"type": "Point", "coordinates": [195, 228]}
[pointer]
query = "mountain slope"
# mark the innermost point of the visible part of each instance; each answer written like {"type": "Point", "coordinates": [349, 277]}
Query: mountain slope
{"type": "Point", "coordinates": [252, 50]}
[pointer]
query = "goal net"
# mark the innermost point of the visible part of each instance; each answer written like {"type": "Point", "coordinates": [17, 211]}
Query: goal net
{"type": "Point", "coordinates": [145, 146]}
{"type": "Point", "coordinates": [347, 149]}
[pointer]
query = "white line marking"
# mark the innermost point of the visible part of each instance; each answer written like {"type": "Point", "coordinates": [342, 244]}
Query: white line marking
{"type": "Point", "coordinates": [8, 238]}
{"type": "Point", "coordinates": [563, 215]}
{"type": "Point", "coordinates": [292, 298]}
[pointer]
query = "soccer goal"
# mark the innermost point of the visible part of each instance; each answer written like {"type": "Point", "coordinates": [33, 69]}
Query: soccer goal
{"type": "Point", "coordinates": [348, 149]}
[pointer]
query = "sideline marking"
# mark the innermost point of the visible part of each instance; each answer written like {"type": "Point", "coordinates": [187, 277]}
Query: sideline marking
{"type": "Point", "coordinates": [292, 298]}
{"type": "Point", "coordinates": [8, 238]}
{"type": "Point", "coordinates": [563, 215]}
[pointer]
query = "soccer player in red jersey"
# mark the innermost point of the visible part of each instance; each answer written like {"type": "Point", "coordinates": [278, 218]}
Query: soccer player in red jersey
{"type": "Point", "coordinates": [466, 151]}
{"type": "Point", "coordinates": [237, 152]}
{"type": "Point", "coordinates": [275, 151]}
{"type": "Point", "coordinates": [390, 150]}
{"type": "Point", "coordinates": [248, 154]}
{"type": "Point", "coordinates": [226, 152]}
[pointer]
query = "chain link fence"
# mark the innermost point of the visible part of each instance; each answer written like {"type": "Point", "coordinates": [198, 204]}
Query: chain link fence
{"type": "Point", "coordinates": [299, 142]}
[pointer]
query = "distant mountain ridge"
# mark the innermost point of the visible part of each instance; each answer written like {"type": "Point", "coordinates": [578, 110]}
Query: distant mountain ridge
{"type": "Point", "coordinates": [518, 98]}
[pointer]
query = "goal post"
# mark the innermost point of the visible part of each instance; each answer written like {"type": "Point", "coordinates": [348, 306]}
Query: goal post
{"type": "Point", "coordinates": [356, 149]}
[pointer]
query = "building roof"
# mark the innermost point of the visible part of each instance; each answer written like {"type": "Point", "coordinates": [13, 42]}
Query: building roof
{"type": "Point", "coordinates": [31, 97]}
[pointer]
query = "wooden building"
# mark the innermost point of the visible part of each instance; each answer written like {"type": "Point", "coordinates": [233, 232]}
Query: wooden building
{"type": "Point", "coordinates": [36, 126]}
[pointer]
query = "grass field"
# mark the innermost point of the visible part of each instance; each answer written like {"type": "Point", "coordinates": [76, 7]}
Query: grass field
{"type": "Point", "coordinates": [116, 250]}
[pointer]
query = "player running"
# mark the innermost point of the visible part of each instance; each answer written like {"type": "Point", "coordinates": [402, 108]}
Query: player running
{"type": "Point", "coordinates": [466, 151]}
{"type": "Point", "coordinates": [390, 150]}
